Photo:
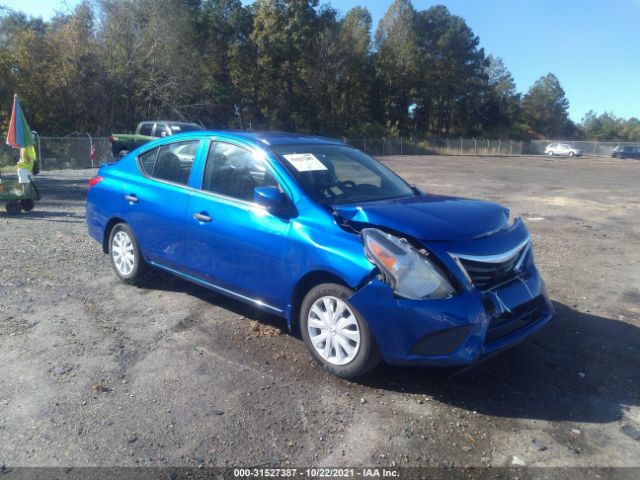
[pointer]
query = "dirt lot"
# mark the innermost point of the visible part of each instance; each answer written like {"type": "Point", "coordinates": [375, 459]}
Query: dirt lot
{"type": "Point", "coordinates": [95, 372]}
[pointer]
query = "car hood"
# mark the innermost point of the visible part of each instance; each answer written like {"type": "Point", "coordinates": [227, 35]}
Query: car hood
{"type": "Point", "coordinates": [431, 217]}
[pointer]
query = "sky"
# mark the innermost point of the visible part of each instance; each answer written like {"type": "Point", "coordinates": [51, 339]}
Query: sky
{"type": "Point", "coordinates": [592, 46]}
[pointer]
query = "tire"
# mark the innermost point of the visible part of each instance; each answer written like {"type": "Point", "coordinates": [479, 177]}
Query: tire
{"type": "Point", "coordinates": [27, 205]}
{"type": "Point", "coordinates": [550, 153]}
{"type": "Point", "coordinates": [348, 351]}
{"type": "Point", "coordinates": [571, 154]}
{"type": "Point", "coordinates": [13, 207]}
{"type": "Point", "coordinates": [126, 259]}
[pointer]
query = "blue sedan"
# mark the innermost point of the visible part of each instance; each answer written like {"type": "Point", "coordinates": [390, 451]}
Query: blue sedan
{"type": "Point", "coordinates": [365, 266]}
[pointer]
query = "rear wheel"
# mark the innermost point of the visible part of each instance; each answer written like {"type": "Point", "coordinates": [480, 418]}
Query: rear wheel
{"type": "Point", "coordinates": [335, 333]}
{"type": "Point", "coordinates": [27, 205]}
{"type": "Point", "coordinates": [125, 254]}
{"type": "Point", "coordinates": [13, 207]}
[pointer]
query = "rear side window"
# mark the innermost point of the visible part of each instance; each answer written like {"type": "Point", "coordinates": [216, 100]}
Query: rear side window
{"type": "Point", "coordinates": [235, 172]}
{"type": "Point", "coordinates": [161, 130]}
{"type": "Point", "coordinates": [145, 129]}
{"type": "Point", "coordinates": [171, 163]}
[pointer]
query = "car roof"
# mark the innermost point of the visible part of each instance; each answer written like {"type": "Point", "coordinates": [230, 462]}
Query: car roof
{"type": "Point", "coordinates": [268, 138]}
{"type": "Point", "coordinates": [284, 138]}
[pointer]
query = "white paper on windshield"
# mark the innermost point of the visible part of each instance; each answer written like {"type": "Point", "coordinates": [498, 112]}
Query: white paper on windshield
{"type": "Point", "coordinates": [305, 162]}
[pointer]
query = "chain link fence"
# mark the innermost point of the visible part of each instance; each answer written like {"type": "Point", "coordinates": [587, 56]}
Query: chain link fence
{"type": "Point", "coordinates": [473, 146]}
{"type": "Point", "coordinates": [440, 146]}
{"type": "Point", "coordinates": [56, 153]}
{"type": "Point", "coordinates": [593, 149]}
{"type": "Point", "coordinates": [60, 153]}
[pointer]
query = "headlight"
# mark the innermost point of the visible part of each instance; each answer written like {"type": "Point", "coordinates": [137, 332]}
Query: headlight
{"type": "Point", "coordinates": [407, 271]}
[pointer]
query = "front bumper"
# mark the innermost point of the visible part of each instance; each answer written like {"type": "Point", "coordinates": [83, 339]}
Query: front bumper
{"type": "Point", "coordinates": [458, 330]}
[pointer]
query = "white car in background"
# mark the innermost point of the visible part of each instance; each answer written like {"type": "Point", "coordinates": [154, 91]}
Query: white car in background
{"type": "Point", "coordinates": [562, 149]}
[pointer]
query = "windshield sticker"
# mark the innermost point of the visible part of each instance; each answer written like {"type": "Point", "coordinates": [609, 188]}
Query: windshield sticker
{"type": "Point", "coordinates": [304, 162]}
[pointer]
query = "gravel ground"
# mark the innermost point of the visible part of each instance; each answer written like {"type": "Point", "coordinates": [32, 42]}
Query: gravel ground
{"type": "Point", "coordinates": [97, 373]}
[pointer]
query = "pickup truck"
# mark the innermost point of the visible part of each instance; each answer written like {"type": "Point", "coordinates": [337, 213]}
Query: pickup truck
{"type": "Point", "coordinates": [123, 143]}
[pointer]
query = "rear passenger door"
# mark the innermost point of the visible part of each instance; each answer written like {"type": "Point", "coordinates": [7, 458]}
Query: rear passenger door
{"type": "Point", "coordinates": [233, 243]}
{"type": "Point", "coordinates": [157, 200]}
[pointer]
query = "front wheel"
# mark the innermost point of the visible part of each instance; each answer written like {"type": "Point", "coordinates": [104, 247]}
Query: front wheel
{"type": "Point", "coordinates": [571, 154]}
{"type": "Point", "coordinates": [550, 153]}
{"type": "Point", "coordinates": [125, 255]}
{"type": "Point", "coordinates": [336, 335]}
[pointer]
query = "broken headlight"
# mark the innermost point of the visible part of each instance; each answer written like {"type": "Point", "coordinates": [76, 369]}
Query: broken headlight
{"type": "Point", "coordinates": [409, 272]}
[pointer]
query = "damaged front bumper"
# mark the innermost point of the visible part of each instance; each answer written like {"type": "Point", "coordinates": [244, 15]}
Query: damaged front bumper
{"type": "Point", "coordinates": [454, 331]}
{"type": "Point", "coordinates": [463, 328]}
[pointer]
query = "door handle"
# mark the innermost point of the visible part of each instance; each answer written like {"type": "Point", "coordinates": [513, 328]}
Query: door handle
{"type": "Point", "coordinates": [202, 217]}
{"type": "Point", "coordinates": [131, 198]}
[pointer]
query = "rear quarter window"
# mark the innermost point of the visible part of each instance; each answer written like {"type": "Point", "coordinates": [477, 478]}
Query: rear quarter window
{"type": "Point", "coordinates": [147, 161]}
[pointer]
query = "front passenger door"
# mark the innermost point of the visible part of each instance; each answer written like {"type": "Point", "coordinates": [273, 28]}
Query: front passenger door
{"type": "Point", "coordinates": [232, 242]}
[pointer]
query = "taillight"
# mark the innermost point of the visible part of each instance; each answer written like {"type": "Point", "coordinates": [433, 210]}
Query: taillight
{"type": "Point", "coordinates": [94, 181]}
{"type": "Point", "coordinates": [111, 139]}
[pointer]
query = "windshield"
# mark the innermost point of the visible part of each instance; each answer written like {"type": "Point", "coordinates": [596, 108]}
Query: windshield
{"type": "Point", "coordinates": [338, 174]}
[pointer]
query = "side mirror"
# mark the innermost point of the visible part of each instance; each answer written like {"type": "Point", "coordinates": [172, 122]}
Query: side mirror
{"type": "Point", "coordinates": [271, 198]}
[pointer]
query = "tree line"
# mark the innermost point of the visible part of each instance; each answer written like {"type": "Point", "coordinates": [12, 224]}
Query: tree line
{"type": "Point", "coordinates": [275, 64]}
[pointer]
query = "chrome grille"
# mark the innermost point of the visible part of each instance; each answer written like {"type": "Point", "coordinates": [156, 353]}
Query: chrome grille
{"type": "Point", "coordinates": [485, 272]}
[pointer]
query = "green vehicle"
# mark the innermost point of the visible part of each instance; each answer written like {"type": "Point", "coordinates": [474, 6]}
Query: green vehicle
{"type": "Point", "coordinates": [123, 143]}
{"type": "Point", "coordinates": [18, 196]}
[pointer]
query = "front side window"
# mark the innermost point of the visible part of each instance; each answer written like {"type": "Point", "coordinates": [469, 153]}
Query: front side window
{"type": "Point", "coordinates": [171, 163]}
{"type": "Point", "coordinates": [235, 172]}
{"type": "Point", "coordinates": [338, 174]}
